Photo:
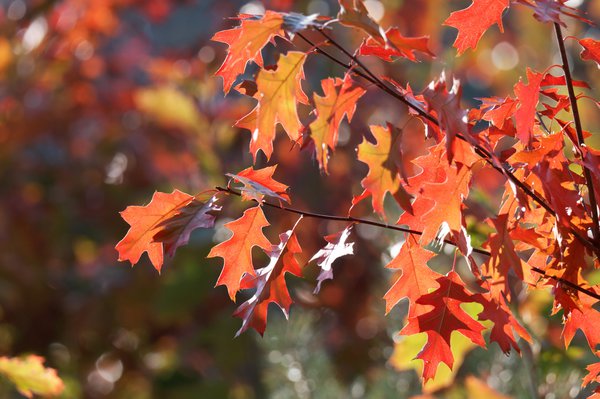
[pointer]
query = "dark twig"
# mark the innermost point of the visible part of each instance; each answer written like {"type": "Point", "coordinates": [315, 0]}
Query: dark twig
{"type": "Point", "coordinates": [578, 128]}
{"type": "Point", "coordinates": [482, 152]}
{"type": "Point", "coordinates": [351, 219]}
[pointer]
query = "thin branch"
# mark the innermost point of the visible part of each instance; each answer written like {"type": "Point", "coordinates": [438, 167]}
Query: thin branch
{"type": "Point", "coordinates": [482, 152]}
{"type": "Point", "coordinates": [578, 128]}
{"type": "Point", "coordinates": [351, 219]}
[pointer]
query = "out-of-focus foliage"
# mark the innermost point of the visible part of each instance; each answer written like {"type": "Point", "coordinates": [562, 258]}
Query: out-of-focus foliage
{"type": "Point", "coordinates": [104, 101]}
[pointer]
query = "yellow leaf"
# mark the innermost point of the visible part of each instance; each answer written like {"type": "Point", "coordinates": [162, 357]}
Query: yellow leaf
{"type": "Point", "coordinates": [30, 376]}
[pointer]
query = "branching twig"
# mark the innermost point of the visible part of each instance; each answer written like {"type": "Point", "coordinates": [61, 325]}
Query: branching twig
{"type": "Point", "coordinates": [482, 152]}
{"type": "Point", "coordinates": [580, 139]}
{"type": "Point", "coordinates": [350, 219]}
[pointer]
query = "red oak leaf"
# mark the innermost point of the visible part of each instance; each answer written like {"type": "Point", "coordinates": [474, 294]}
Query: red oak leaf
{"type": "Point", "coordinates": [237, 250]}
{"type": "Point", "coordinates": [473, 21]}
{"type": "Point", "coordinates": [446, 215]}
{"type": "Point", "coordinates": [383, 170]}
{"type": "Point", "coordinates": [527, 97]}
{"type": "Point", "coordinates": [145, 222]}
{"type": "Point", "coordinates": [278, 93]}
{"type": "Point", "coordinates": [339, 100]}
{"type": "Point", "coordinates": [259, 183]}
{"type": "Point", "coordinates": [245, 44]}
{"type": "Point", "coordinates": [551, 10]}
{"type": "Point", "coordinates": [416, 280]}
{"type": "Point", "coordinates": [270, 284]}
{"type": "Point", "coordinates": [445, 317]}
{"type": "Point", "coordinates": [175, 231]}
{"type": "Point", "coordinates": [591, 50]}
{"type": "Point", "coordinates": [336, 248]}
{"type": "Point", "coordinates": [593, 374]}
{"type": "Point", "coordinates": [505, 324]}
{"type": "Point", "coordinates": [397, 46]}
{"type": "Point", "coordinates": [353, 13]}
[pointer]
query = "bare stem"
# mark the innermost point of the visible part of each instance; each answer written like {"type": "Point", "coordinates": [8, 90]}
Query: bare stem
{"type": "Point", "coordinates": [350, 219]}
{"type": "Point", "coordinates": [580, 139]}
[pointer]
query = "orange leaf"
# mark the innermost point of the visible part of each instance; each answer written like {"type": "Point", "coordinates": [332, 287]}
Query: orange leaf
{"type": "Point", "coordinates": [383, 170]}
{"type": "Point", "coordinates": [270, 284]}
{"type": "Point", "coordinates": [339, 100]}
{"type": "Point", "coordinates": [145, 223]}
{"type": "Point", "coordinates": [237, 250]}
{"type": "Point", "coordinates": [353, 13]}
{"type": "Point", "coordinates": [398, 46]}
{"type": "Point", "coordinates": [473, 21]}
{"type": "Point", "coordinates": [245, 44]}
{"type": "Point", "coordinates": [259, 182]}
{"type": "Point", "coordinates": [527, 97]}
{"type": "Point", "coordinates": [278, 93]}
{"type": "Point", "coordinates": [591, 50]}
{"type": "Point", "coordinates": [417, 278]}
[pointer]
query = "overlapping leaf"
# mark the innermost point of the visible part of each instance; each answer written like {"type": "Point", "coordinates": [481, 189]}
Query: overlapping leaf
{"type": "Point", "coordinates": [383, 175]}
{"type": "Point", "coordinates": [340, 97]}
{"type": "Point", "coordinates": [270, 283]}
{"type": "Point", "coordinates": [397, 46]}
{"type": "Point", "coordinates": [246, 43]}
{"type": "Point", "coordinates": [259, 183]}
{"type": "Point", "coordinates": [416, 280]}
{"type": "Point", "coordinates": [445, 317]}
{"type": "Point", "coordinates": [168, 218]}
{"type": "Point", "coordinates": [278, 93]}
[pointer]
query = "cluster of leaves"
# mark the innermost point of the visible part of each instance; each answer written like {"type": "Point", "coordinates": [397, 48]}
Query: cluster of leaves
{"type": "Point", "coordinates": [544, 234]}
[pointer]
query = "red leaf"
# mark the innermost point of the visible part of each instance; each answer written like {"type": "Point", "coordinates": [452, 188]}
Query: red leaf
{"type": "Point", "coordinates": [527, 97]}
{"type": "Point", "coordinates": [237, 250]}
{"type": "Point", "coordinates": [591, 50]}
{"type": "Point", "coordinates": [397, 46]}
{"type": "Point", "coordinates": [145, 222]}
{"type": "Point", "coordinates": [505, 324]}
{"type": "Point", "coordinates": [336, 248]}
{"type": "Point", "coordinates": [339, 100]}
{"type": "Point", "coordinates": [473, 21]}
{"type": "Point", "coordinates": [270, 284]}
{"type": "Point", "coordinates": [445, 317]}
{"type": "Point", "coordinates": [416, 280]}
{"type": "Point", "coordinates": [353, 13]}
{"type": "Point", "coordinates": [259, 183]}
{"type": "Point", "coordinates": [245, 44]}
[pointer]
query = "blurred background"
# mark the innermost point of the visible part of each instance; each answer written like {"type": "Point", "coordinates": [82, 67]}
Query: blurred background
{"type": "Point", "coordinates": [102, 102]}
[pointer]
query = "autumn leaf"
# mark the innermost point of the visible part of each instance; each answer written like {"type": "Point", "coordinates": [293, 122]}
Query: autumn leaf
{"type": "Point", "coordinates": [353, 13]}
{"type": "Point", "coordinates": [505, 324]}
{"type": "Point", "coordinates": [259, 183]}
{"type": "Point", "coordinates": [416, 280]}
{"type": "Point", "coordinates": [383, 173]}
{"type": "Point", "coordinates": [477, 388]}
{"type": "Point", "coordinates": [336, 248]}
{"type": "Point", "coordinates": [175, 231]}
{"type": "Point", "coordinates": [591, 50]}
{"type": "Point", "coordinates": [146, 222]}
{"type": "Point", "coordinates": [340, 97]}
{"type": "Point", "coordinates": [397, 46]}
{"type": "Point", "coordinates": [245, 44]}
{"type": "Point", "coordinates": [527, 97]}
{"type": "Point", "coordinates": [473, 21]}
{"type": "Point", "coordinates": [31, 377]}
{"type": "Point", "coordinates": [270, 283]}
{"type": "Point", "coordinates": [446, 215]}
{"type": "Point", "coordinates": [237, 250]}
{"type": "Point", "coordinates": [445, 317]}
{"type": "Point", "coordinates": [278, 93]}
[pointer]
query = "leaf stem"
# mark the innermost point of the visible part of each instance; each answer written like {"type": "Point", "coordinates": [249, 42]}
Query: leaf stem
{"type": "Point", "coordinates": [351, 219]}
{"type": "Point", "coordinates": [578, 128]}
